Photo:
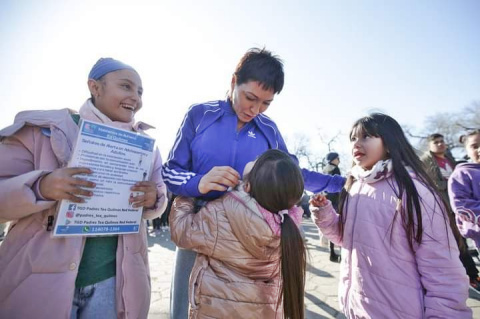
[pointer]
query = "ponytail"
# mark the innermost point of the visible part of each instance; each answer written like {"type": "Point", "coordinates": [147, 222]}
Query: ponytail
{"type": "Point", "coordinates": [293, 270]}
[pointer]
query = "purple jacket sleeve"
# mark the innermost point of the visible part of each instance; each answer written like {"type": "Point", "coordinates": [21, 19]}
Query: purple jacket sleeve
{"type": "Point", "coordinates": [462, 195]}
{"type": "Point", "coordinates": [318, 182]}
{"type": "Point", "coordinates": [176, 170]}
{"type": "Point", "coordinates": [465, 202]}
{"type": "Point", "coordinates": [327, 221]}
{"type": "Point", "coordinates": [315, 182]}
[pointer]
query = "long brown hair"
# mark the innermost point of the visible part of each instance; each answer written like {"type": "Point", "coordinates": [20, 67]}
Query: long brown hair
{"type": "Point", "coordinates": [276, 183]}
{"type": "Point", "coordinates": [402, 154]}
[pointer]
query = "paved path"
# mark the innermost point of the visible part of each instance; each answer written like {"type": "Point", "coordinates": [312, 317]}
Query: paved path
{"type": "Point", "coordinates": [321, 288]}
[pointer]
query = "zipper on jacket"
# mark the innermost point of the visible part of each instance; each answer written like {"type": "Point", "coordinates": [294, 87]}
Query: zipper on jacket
{"type": "Point", "coordinates": [50, 222]}
{"type": "Point", "coordinates": [237, 138]}
{"type": "Point", "coordinates": [235, 144]}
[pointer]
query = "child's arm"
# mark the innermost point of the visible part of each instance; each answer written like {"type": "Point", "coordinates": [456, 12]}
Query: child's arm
{"type": "Point", "coordinates": [198, 231]}
{"type": "Point", "coordinates": [325, 217]}
{"type": "Point", "coordinates": [441, 272]}
{"type": "Point", "coordinates": [26, 189]}
{"type": "Point", "coordinates": [462, 197]}
{"type": "Point", "coordinates": [177, 170]}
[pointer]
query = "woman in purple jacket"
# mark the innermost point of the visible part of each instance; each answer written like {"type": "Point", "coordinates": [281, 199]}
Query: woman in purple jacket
{"type": "Point", "coordinates": [400, 257]}
{"type": "Point", "coordinates": [217, 139]}
{"type": "Point", "coordinates": [464, 190]}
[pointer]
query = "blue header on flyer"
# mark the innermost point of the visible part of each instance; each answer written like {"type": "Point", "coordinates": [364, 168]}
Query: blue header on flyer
{"type": "Point", "coordinates": [109, 133]}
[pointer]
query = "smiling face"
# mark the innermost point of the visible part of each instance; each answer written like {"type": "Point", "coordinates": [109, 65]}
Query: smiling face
{"type": "Point", "coordinates": [473, 147]}
{"type": "Point", "coordinates": [118, 94]}
{"type": "Point", "coordinates": [367, 150]}
{"type": "Point", "coordinates": [249, 99]}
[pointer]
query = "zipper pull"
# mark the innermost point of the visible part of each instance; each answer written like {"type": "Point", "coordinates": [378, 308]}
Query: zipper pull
{"type": "Point", "coordinates": [50, 223]}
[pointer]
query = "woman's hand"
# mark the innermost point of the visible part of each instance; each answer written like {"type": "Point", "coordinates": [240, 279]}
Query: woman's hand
{"type": "Point", "coordinates": [219, 178]}
{"type": "Point", "coordinates": [318, 200]}
{"type": "Point", "coordinates": [149, 196]}
{"type": "Point", "coordinates": [61, 184]}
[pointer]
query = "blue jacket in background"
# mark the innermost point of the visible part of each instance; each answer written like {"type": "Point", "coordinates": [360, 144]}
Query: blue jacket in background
{"type": "Point", "coordinates": [208, 137]}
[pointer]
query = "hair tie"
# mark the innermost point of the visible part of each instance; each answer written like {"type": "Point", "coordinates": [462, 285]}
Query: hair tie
{"type": "Point", "coordinates": [282, 213]}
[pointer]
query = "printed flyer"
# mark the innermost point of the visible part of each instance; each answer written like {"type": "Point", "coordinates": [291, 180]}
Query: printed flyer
{"type": "Point", "coordinates": [118, 159]}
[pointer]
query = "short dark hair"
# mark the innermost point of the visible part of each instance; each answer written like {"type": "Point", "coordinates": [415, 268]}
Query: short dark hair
{"type": "Point", "coordinates": [262, 66]}
{"type": "Point", "coordinates": [433, 136]}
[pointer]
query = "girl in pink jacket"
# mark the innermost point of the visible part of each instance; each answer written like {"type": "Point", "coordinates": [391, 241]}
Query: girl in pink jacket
{"type": "Point", "coordinates": [70, 277]}
{"type": "Point", "coordinates": [251, 256]}
{"type": "Point", "coordinates": [400, 257]}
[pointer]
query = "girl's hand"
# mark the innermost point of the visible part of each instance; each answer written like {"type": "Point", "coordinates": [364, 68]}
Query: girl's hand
{"type": "Point", "coordinates": [149, 196]}
{"type": "Point", "coordinates": [318, 200]}
{"type": "Point", "coordinates": [219, 178]}
{"type": "Point", "coordinates": [61, 184]}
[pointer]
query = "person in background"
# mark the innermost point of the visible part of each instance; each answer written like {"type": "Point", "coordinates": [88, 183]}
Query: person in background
{"type": "Point", "coordinates": [440, 164]}
{"type": "Point", "coordinates": [251, 259]}
{"type": "Point", "coordinates": [72, 277]}
{"type": "Point", "coordinates": [156, 225]}
{"type": "Point", "coordinates": [399, 249]}
{"type": "Point", "coordinates": [332, 169]}
{"type": "Point", "coordinates": [164, 219]}
{"type": "Point", "coordinates": [305, 203]}
{"type": "Point", "coordinates": [464, 189]}
{"type": "Point", "coordinates": [217, 139]}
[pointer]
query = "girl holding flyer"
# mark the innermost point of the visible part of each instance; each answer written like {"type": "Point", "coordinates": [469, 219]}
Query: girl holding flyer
{"type": "Point", "coordinates": [71, 277]}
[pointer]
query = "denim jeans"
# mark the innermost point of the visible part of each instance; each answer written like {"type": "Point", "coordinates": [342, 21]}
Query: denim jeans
{"type": "Point", "coordinates": [95, 301]}
{"type": "Point", "coordinates": [179, 303]}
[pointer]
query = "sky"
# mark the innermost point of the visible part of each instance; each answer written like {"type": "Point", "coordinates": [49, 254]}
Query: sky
{"type": "Point", "coordinates": [342, 59]}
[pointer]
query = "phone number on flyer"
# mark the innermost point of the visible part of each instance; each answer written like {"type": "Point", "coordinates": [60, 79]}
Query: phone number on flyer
{"type": "Point", "coordinates": [101, 229]}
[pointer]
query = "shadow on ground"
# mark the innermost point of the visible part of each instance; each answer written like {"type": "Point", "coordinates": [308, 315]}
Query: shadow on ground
{"type": "Point", "coordinates": [318, 272]}
{"type": "Point", "coordinates": [312, 315]}
{"type": "Point", "coordinates": [327, 308]}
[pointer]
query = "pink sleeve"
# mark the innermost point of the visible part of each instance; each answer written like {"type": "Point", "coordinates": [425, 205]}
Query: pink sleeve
{"type": "Point", "coordinates": [18, 177]}
{"type": "Point", "coordinates": [156, 176]}
{"type": "Point", "coordinates": [327, 221]}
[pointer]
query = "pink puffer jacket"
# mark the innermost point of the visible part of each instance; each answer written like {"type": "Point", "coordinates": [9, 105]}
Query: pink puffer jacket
{"type": "Point", "coordinates": [237, 270]}
{"type": "Point", "coordinates": [380, 276]}
{"type": "Point", "coordinates": [38, 272]}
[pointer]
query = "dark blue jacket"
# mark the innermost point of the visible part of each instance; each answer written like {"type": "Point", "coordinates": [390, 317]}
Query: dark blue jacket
{"type": "Point", "coordinates": [208, 137]}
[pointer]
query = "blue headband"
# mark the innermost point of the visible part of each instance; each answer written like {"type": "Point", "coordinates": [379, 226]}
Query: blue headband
{"type": "Point", "coordinates": [107, 65]}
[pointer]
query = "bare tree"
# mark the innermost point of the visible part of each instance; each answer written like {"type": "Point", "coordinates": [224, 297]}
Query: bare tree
{"type": "Point", "coordinates": [329, 140]}
{"type": "Point", "coordinates": [302, 149]}
{"type": "Point", "coordinates": [470, 116]}
{"type": "Point", "coordinates": [315, 160]}
{"type": "Point", "coordinates": [450, 125]}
